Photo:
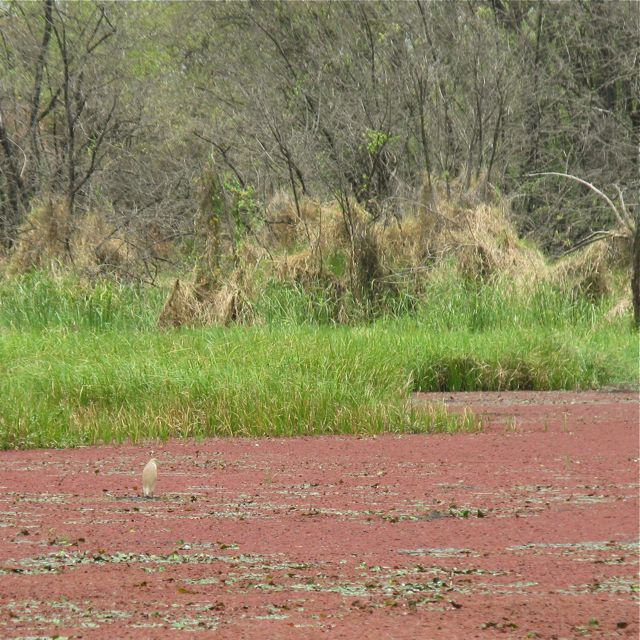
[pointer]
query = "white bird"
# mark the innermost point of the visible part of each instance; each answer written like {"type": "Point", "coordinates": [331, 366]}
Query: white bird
{"type": "Point", "coordinates": [149, 477]}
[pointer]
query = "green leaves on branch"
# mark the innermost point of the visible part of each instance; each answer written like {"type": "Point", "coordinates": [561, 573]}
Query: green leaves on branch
{"type": "Point", "coordinates": [376, 140]}
{"type": "Point", "coordinates": [244, 205]}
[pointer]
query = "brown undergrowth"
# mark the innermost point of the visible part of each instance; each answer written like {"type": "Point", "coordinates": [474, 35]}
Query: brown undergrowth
{"type": "Point", "coordinates": [88, 245]}
{"type": "Point", "coordinates": [336, 249]}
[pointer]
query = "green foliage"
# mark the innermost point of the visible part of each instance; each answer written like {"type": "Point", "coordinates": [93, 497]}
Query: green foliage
{"type": "Point", "coordinates": [84, 364]}
{"type": "Point", "coordinates": [291, 304]}
{"type": "Point", "coordinates": [376, 141]}
{"type": "Point", "coordinates": [62, 388]}
{"type": "Point", "coordinates": [244, 204]}
{"type": "Point", "coordinates": [510, 361]}
{"type": "Point", "coordinates": [337, 263]}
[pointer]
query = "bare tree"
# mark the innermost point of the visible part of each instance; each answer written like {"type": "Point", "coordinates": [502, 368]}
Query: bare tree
{"type": "Point", "coordinates": [54, 135]}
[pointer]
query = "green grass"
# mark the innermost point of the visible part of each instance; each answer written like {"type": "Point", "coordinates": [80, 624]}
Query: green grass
{"type": "Point", "coordinates": [39, 300]}
{"type": "Point", "coordinates": [86, 365]}
{"type": "Point", "coordinates": [443, 302]}
{"type": "Point", "coordinates": [63, 388]}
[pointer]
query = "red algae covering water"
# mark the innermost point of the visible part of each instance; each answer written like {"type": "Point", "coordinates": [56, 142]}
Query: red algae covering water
{"type": "Point", "coordinates": [527, 530]}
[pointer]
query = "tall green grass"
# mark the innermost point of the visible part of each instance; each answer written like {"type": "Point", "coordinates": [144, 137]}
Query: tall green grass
{"type": "Point", "coordinates": [62, 388]}
{"type": "Point", "coordinates": [443, 303]}
{"type": "Point", "coordinates": [39, 300]}
{"type": "Point", "coordinates": [82, 365]}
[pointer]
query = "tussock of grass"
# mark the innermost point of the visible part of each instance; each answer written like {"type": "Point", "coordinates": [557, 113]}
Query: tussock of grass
{"type": "Point", "coordinates": [64, 388]}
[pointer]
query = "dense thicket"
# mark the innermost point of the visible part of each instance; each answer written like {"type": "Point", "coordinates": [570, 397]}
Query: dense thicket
{"type": "Point", "coordinates": [397, 105]}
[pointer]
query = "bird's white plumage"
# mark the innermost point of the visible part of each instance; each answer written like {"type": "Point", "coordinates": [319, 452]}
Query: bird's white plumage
{"type": "Point", "coordinates": [149, 477]}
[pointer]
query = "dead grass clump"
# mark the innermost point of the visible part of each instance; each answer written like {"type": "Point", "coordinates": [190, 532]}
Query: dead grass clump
{"type": "Point", "coordinates": [49, 239]}
{"type": "Point", "coordinates": [284, 227]}
{"type": "Point", "coordinates": [44, 238]}
{"type": "Point", "coordinates": [98, 249]}
{"type": "Point", "coordinates": [620, 309]}
{"type": "Point", "coordinates": [301, 267]}
{"type": "Point", "coordinates": [181, 307]}
{"type": "Point", "coordinates": [487, 245]}
{"type": "Point", "coordinates": [369, 271]}
{"type": "Point", "coordinates": [187, 306]}
{"type": "Point", "coordinates": [158, 242]}
{"type": "Point", "coordinates": [232, 302]}
{"type": "Point", "coordinates": [481, 238]}
{"type": "Point", "coordinates": [590, 272]}
{"type": "Point", "coordinates": [477, 261]}
{"type": "Point", "coordinates": [407, 243]}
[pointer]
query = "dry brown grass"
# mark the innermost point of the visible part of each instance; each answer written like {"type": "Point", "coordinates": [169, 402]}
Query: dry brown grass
{"type": "Point", "coordinates": [190, 307]}
{"type": "Point", "coordinates": [99, 249]}
{"type": "Point", "coordinates": [481, 239]}
{"type": "Point", "coordinates": [302, 267]}
{"type": "Point", "coordinates": [478, 238]}
{"type": "Point", "coordinates": [486, 244]}
{"type": "Point", "coordinates": [180, 309]}
{"type": "Point", "coordinates": [375, 256]}
{"type": "Point", "coordinates": [285, 229]}
{"type": "Point", "coordinates": [620, 309]}
{"type": "Point", "coordinates": [591, 272]}
{"type": "Point", "coordinates": [49, 239]}
{"type": "Point", "coordinates": [44, 238]}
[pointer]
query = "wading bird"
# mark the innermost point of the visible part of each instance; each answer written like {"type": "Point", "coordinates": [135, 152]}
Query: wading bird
{"type": "Point", "coordinates": [149, 477]}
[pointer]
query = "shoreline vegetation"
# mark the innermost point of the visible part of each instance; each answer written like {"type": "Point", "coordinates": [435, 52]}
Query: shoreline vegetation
{"type": "Point", "coordinates": [84, 362]}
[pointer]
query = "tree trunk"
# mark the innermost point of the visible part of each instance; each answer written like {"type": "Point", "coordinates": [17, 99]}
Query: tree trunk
{"type": "Point", "coordinates": [635, 278]}
{"type": "Point", "coordinates": [10, 217]}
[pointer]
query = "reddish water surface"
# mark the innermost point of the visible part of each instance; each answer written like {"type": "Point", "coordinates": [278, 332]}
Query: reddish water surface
{"type": "Point", "coordinates": [528, 530]}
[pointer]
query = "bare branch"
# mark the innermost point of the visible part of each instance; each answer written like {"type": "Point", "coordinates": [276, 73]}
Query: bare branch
{"type": "Point", "coordinates": [623, 206]}
{"type": "Point", "coordinates": [96, 147]}
{"type": "Point", "coordinates": [225, 157]}
{"type": "Point", "coordinates": [42, 55]}
{"type": "Point", "coordinates": [592, 238]}
{"type": "Point", "coordinates": [606, 198]}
